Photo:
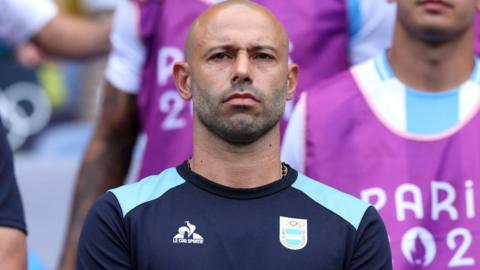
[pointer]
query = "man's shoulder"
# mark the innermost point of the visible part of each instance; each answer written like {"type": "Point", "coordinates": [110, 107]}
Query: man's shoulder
{"type": "Point", "coordinates": [148, 189]}
{"type": "Point", "coordinates": [348, 207]}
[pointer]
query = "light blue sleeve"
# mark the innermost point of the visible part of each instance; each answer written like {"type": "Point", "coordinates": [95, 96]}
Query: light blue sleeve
{"type": "Point", "coordinates": [148, 189]}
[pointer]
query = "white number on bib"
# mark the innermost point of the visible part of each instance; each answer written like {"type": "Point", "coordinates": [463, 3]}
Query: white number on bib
{"type": "Point", "coordinates": [458, 259]}
{"type": "Point", "coordinates": [172, 105]}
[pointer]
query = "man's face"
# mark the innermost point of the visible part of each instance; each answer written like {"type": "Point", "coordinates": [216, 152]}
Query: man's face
{"type": "Point", "coordinates": [239, 74]}
{"type": "Point", "coordinates": [436, 20]}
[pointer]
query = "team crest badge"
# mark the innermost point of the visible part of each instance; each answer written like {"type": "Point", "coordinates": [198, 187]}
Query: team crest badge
{"type": "Point", "coordinates": [293, 233]}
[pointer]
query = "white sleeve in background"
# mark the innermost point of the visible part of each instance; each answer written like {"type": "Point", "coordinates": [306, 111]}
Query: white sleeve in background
{"type": "Point", "coordinates": [22, 19]}
{"type": "Point", "coordinates": [293, 146]}
{"type": "Point", "coordinates": [128, 53]}
{"type": "Point", "coordinates": [371, 24]}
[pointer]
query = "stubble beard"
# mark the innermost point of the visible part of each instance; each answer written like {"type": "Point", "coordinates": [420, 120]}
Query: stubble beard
{"type": "Point", "coordinates": [242, 126]}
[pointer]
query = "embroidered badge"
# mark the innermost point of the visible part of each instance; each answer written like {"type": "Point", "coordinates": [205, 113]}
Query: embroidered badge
{"type": "Point", "coordinates": [293, 233]}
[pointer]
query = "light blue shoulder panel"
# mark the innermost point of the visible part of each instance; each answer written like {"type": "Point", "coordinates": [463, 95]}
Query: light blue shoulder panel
{"type": "Point", "coordinates": [346, 206]}
{"type": "Point", "coordinates": [148, 189]}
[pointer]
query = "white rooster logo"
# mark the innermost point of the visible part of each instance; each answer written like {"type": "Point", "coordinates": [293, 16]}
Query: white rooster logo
{"type": "Point", "coordinates": [188, 233]}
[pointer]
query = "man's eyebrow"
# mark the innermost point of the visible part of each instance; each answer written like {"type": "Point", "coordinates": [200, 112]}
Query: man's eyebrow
{"type": "Point", "coordinates": [263, 47]}
{"type": "Point", "coordinates": [230, 48]}
{"type": "Point", "coordinates": [220, 47]}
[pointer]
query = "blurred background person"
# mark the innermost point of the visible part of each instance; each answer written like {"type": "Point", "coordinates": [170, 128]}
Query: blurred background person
{"type": "Point", "coordinates": [401, 131]}
{"type": "Point", "coordinates": [37, 30]}
{"type": "Point", "coordinates": [140, 96]}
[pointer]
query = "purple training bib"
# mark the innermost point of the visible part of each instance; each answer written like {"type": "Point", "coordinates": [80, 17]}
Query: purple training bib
{"type": "Point", "coordinates": [427, 189]}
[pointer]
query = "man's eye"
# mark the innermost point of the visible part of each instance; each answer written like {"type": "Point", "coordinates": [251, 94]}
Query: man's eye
{"type": "Point", "coordinates": [264, 56]}
{"type": "Point", "coordinates": [219, 56]}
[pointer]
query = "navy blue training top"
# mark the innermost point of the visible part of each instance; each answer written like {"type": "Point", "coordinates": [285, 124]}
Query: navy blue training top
{"type": "Point", "coordinates": [181, 220]}
{"type": "Point", "coordinates": [11, 209]}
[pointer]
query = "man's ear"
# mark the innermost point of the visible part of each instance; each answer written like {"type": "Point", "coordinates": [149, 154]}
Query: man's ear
{"type": "Point", "coordinates": [181, 74]}
{"type": "Point", "coordinates": [292, 80]}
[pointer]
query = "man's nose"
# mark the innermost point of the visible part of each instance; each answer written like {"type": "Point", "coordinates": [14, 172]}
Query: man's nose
{"type": "Point", "coordinates": [241, 73]}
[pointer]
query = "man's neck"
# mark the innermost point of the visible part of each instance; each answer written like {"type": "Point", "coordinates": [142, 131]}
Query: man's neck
{"type": "Point", "coordinates": [429, 67]}
{"type": "Point", "coordinates": [244, 166]}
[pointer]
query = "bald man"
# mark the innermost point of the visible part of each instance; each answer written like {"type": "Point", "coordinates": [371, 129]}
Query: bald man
{"type": "Point", "coordinates": [234, 204]}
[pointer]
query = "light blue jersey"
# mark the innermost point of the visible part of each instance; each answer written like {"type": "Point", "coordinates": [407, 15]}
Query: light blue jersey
{"type": "Point", "coordinates": [423, 112]}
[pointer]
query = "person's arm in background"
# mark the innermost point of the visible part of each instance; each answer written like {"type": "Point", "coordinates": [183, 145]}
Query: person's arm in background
{"type": "Point", "coordinates": [105, 164]}
{"type": "Point", "coordinates": [477, 34]}
{"type": "Point", "coordinates": [13, 249]}
{"type": "Point", "coordinates": [56, 33]}
{"type": "Point", "coordinates": [108, 156]}
{"type": "Point", "coordinates": [74, 37]}
{"type": "Point", "coordinates": [13, 246]}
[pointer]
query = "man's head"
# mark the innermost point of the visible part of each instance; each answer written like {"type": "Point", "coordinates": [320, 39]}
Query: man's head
{"type": "Point", "coordinates": [237, 71]}
{"type": "Point", "coordinates": [436, 21]}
